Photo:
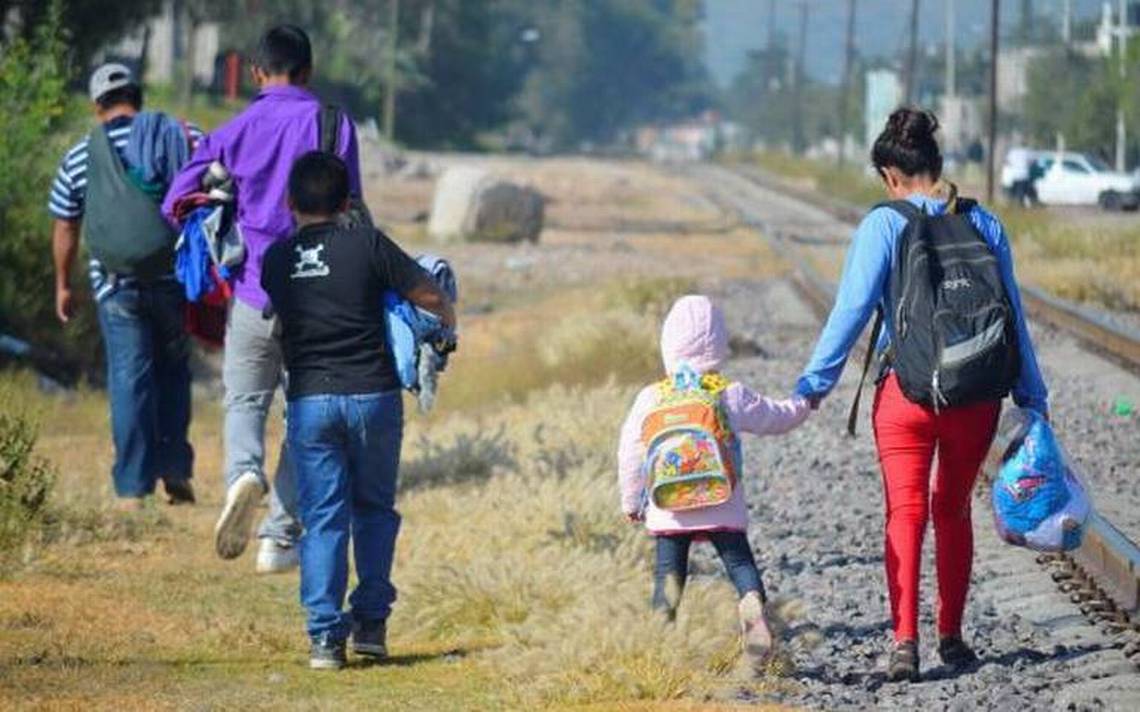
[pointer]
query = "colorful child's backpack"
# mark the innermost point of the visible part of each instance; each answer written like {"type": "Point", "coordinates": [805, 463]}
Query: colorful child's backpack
{"type": "Point", "coordinates": [1039, 501]}
{"type": "Point", "coordinates": [691, 450]}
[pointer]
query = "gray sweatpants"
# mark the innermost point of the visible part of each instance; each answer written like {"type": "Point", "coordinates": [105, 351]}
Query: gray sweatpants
{"type": "Point", "coordinates": [252, 370]}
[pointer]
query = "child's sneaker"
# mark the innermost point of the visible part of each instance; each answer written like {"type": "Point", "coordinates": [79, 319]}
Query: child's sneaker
{"type": "Point", "coordinates": [327, 653]}
{"type": "Point", "coordinates": [671, 590]}
{"type": "Point", "coordinates": [756, 636]}
{"type": "Point", "coordinates": [368, 638]}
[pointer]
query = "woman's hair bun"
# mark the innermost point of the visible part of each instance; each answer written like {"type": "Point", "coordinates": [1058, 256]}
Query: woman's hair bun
{"type": "Point", "coordinates": [907, 143]}
{"type": "Point", "coordinates": [912, 126]}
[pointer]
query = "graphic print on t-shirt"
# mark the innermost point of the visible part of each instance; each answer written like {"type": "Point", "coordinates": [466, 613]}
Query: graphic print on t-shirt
{"type": "Point", "coordinates": [309, 263]}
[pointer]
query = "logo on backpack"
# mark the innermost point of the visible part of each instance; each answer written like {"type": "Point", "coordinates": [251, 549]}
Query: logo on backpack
{"type": "Point", "coordinates": [691, 451]}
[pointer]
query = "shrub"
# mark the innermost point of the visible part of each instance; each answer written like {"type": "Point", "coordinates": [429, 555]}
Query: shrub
{"type": "Point", "coordinates": [25, 483]}
{"type": "Point", "coordinates": [33, 85]}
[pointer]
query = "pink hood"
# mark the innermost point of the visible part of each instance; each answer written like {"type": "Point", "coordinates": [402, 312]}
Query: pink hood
{"type": "Point", "coordinates": [694, 333]}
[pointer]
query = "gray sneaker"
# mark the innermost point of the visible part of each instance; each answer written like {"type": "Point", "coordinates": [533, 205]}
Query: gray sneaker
{"type": "Point", "coordinates": [273, 557]}
{"type": "Point", "coordinates": [231, 533]}
{"type": "Point", "coordinates": [368, 639]}
{"type": "Point", "coordinates": [327, 653]}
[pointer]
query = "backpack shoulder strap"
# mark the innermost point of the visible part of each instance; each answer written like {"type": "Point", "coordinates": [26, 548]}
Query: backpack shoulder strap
{"type": "Point", "coordinates": [907, 209]}
{"type": "Point", "coordinates": [853, 416]}
{"type": "Point", "coordinates": [329, 125]}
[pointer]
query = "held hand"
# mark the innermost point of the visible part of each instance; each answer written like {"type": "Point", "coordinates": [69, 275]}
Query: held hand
{"type": "Point", "coordinates": [634, 517]}
{"type": "Point", "coordinates": [64, 304]}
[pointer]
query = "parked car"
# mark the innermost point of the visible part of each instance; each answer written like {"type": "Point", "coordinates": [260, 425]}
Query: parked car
{"type": "Point", "coordinates": [1080, 179]}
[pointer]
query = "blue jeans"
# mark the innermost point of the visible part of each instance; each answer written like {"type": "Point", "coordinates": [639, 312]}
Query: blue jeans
{"type": "Point", "coordinates": [346, 452]}
{"type": "Point", "coordinates": [734, 551]}
{"type": "Point", "coordinates": [148, 383]}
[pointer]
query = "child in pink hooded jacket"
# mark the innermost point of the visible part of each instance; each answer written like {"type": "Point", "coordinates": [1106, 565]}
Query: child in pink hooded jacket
{"type": "Point", "coordinates": [695, 335]}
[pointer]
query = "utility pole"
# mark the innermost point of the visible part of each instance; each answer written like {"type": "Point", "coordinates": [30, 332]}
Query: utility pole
{"type": "Point", "coordinates": [845, 90]}
{"type": "Point", "coordinates": [391, 75]}
{"type": "Point", "coordinates": [995, 12]}
{"type": "Point", "coordinates": [951, 51]}
{"type": "Point", "coordinates": [1121, 132]}
{"type": "Point", "coordinates": [798, 138]}
{"type": "Point", "coordinates": [771, 24]}
{"type": "Point", "coordinates": [1026, 29]}
{"type": "Point", "coordinates": [911, 55]}
{"type": "Point", "coordinates": [1067, 23]}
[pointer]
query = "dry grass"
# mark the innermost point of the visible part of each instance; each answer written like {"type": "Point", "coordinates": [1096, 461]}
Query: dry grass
{"type": "Point", "coordinates": [1076, 255]}
{"type": "Point", "coordinates": [521, 585]}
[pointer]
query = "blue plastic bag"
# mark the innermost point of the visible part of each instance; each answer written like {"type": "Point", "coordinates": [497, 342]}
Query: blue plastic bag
{"type": "Point", "coordinates": [1039, 500]}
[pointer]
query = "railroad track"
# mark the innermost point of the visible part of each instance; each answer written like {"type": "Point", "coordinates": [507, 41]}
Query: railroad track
{"type": "Point", "coordinates": [1102, 577]}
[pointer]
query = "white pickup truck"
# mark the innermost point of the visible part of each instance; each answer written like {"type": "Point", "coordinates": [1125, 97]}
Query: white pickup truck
{"type": "Point", "coordinates": [1068, 178]}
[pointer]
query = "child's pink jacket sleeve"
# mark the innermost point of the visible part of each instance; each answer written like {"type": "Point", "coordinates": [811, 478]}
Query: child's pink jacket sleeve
{"type": "Point", "coordinates": [753, 413]}
{"type": "Point", "coordinates": [631, 452]}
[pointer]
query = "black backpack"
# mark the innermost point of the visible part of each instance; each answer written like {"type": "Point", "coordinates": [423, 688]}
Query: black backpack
{"type": "Point", "coordinates": [328, 128]}
{"type": "Point", "coordinates": [954, 337]}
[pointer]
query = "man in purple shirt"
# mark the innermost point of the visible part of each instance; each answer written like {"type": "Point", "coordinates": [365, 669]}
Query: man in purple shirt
{"type": "Point", "coordinates": [258, 147]}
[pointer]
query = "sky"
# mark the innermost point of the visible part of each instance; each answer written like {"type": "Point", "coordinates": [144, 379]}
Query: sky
{"type": "Point", "coordinates": [733, 27]}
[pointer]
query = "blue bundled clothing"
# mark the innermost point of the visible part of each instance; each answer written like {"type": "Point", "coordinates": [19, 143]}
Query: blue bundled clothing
{"type": "Point", "coordinates": [192, 260]}
{"type": "Point", "coordinates": [863, 288]}
{"type": "Point", "coordinates": [157, 146]}
{"type": "Point", "coordinates": [418, 339]}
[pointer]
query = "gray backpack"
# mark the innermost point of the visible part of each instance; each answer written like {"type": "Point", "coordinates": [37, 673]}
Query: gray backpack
{"type": "Point", "coordinates": [122, 226]}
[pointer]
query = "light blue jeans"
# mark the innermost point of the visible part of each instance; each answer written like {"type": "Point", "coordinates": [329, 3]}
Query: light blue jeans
{"type": "Point", "coordinates": [346, 450]}
{"type": "Point", "coordinates": [253, 369]}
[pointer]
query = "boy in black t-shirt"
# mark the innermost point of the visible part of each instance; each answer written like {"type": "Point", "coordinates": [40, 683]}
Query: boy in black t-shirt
{"type": "Point", "coordinates": [345, 410]}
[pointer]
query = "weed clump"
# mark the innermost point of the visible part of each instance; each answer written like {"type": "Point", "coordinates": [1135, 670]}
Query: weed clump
{"type": "Point", "coordinates": [26, 482]}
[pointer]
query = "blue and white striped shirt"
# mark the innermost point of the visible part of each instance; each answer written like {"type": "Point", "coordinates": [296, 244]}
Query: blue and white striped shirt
{"type": "Point", "coordinates": [69, 190]}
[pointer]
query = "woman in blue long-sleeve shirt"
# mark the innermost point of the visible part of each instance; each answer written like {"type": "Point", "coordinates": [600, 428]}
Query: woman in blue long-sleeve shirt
{"type": "Point", "coordinates": [907, 434]}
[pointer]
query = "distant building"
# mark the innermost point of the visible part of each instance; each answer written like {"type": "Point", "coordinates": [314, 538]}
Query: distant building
{"type": "Point", "coordinates": [1013, 75]}
{"type": "Point", "coordinates": [884, 94]}
{"type": "Point", "coordinates": [962, 122]}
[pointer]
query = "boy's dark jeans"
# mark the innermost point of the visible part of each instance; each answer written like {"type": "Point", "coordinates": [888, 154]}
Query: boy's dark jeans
{"type": "Point", "coordinates": [148, 385]}
{"type": "Point", "coordinates": [346, 451]}
{"type": "Point", "coordinates": [734, 551]}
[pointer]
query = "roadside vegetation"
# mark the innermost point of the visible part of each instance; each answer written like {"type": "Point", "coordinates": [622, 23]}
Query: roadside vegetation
{"type": "Point", "coordinates": [1077, 255]}
{"type": "Point", "coordinates": [521, 586]}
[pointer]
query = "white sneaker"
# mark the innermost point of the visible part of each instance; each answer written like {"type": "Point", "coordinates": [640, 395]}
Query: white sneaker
{"type": "Point", "coordinates": [755, 633]}
{"type": "Point", "coordinates": [274, 557]}
{"type": "Point", "coordinates": [231, 533]}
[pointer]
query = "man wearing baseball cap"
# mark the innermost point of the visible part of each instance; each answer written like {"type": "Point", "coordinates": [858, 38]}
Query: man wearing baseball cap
{"type": "Point", "coordinates": [108, 189]}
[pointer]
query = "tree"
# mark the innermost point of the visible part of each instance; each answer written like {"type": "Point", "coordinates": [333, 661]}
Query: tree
{"type": "Point", "coordinates": [89, 26]}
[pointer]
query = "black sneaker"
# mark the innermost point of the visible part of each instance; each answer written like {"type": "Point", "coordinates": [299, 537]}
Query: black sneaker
{"type": "Point", "coordinates": [368, 639]}
{"type": "Point", "coordinates": [327, 653]}
{"type": "Point", "coordinates": [903, 663]}
{"type": "Point", "coordinates": [179, 491]}
{"type": "Point", "coordinates": [955, 653]}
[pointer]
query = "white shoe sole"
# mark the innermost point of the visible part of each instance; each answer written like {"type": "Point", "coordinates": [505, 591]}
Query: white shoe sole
{"type": "Point", "coordinates": [325, 664]}
{"type": "Point", "coordinates": [232, 532]}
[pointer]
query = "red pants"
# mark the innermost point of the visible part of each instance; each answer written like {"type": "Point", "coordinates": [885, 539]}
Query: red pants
{"type": "Point", "coordinates": [907, 436]}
